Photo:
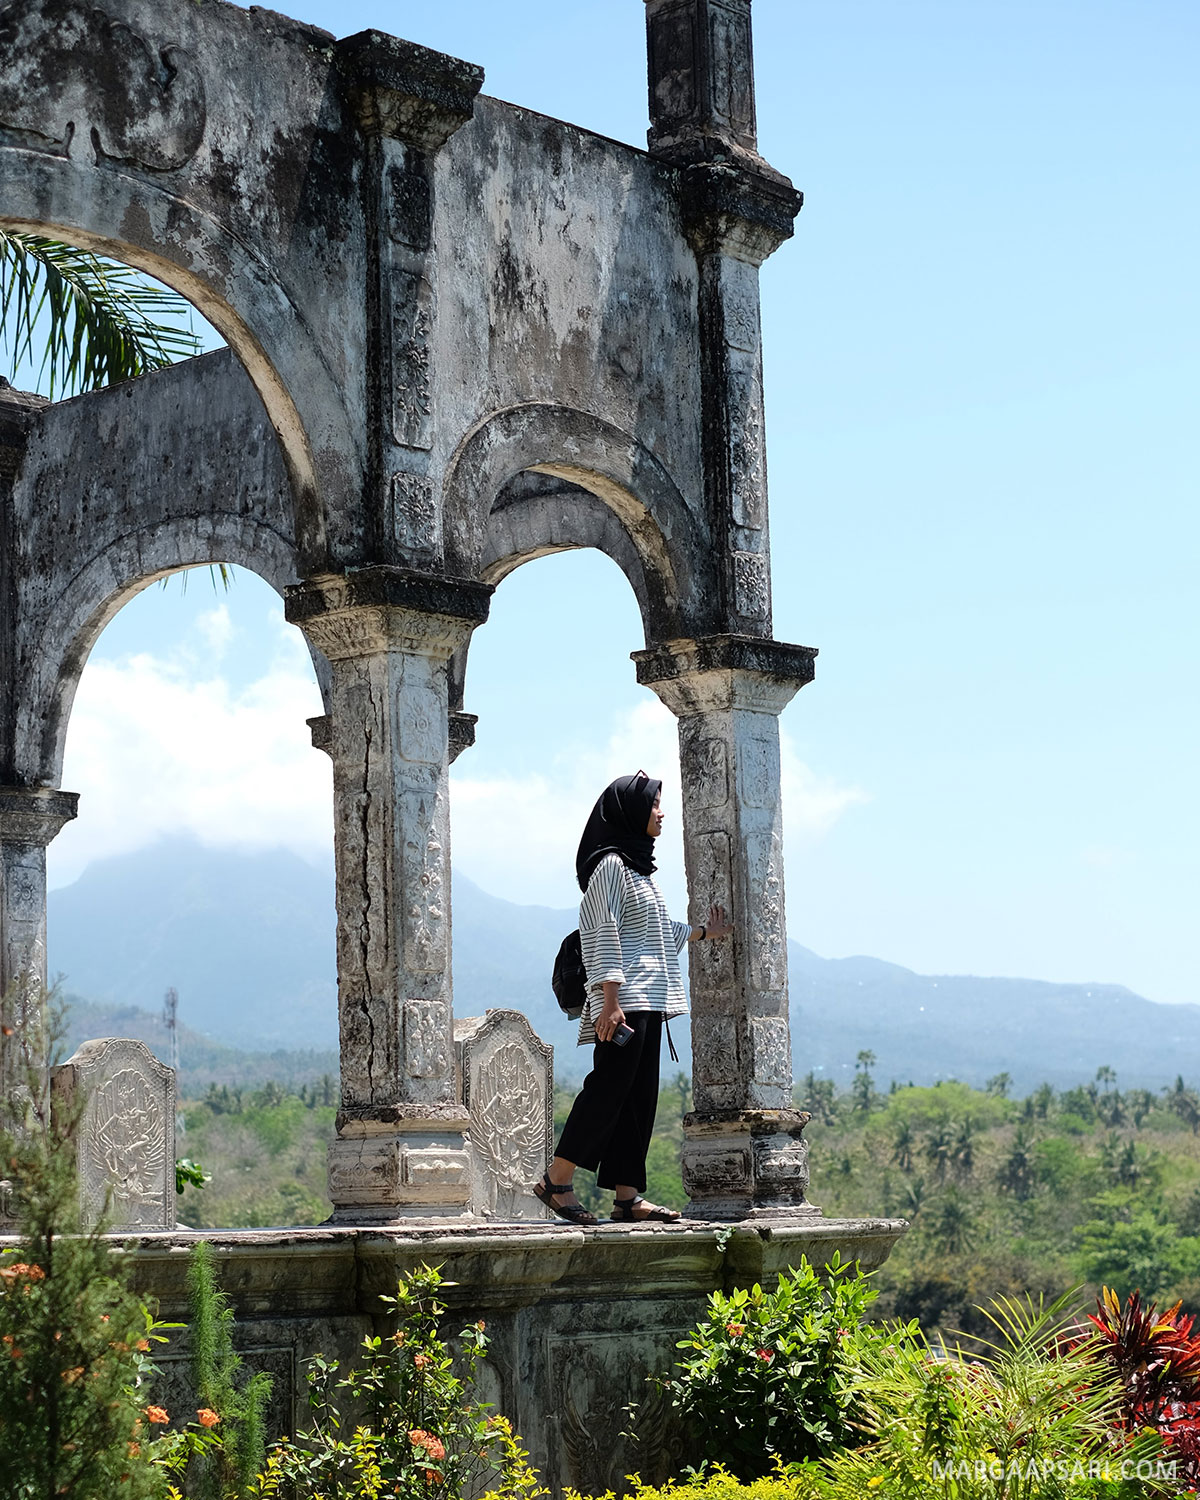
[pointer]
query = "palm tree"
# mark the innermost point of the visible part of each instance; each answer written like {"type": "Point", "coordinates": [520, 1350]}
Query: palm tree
{"type": "Point", "coordinates": [950, 1222]}
{"type": "Point", "coordinates": [939, 1148]}
{"type": "Point", "coordinates": [95, 321]}
{"type": "Point", "coordinates": [902, 1146]}
{"type": "Point", "coordinates": [964, 1148]}
{"type": "Point", "coordinates": [1017, 1173]}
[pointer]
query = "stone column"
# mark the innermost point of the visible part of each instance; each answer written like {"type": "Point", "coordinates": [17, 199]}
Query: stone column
{"type": "Point", "coordinates": [736, 210]}
{"type": "Point", "coordinates": [408, 101]}
{"type": "Point", "coordinates": [29, 818]}
{"type": "Point", "coordinates": [743, 1155]}
{"type": "Point", "coordinates": [388, 635]}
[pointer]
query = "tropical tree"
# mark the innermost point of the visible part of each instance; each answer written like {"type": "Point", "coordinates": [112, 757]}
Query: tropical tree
{"type": "Point", "coordinates": [863, 1087]}
{"type": "Point", "coordinates": [1017, 1173]}
{"type": "Point", "coordinates": [93, 320]}
{"type": "Point", "coordinates": [903, 1143]}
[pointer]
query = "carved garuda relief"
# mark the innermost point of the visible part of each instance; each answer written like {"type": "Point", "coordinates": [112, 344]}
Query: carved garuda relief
{"type": "Point", "coordinates": [79, 81]}
{"type": "Point", "coordinates": [126, 1138]}
{"type": "Point", "coordinates": [508, 1088]}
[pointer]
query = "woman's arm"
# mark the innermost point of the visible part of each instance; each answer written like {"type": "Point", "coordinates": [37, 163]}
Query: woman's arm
{"type": "Point", "coordinates": [611, 1015]}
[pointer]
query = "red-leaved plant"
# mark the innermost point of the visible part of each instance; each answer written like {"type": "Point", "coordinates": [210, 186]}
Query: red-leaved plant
{"type": "Point", "coordinates": [1157, 1358]}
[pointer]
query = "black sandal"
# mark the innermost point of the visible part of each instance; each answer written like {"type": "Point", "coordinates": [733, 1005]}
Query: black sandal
{"type": "Point", "coordinates": [574, 1213]}
{"type": "Point", "coordinates": [622, 1212]}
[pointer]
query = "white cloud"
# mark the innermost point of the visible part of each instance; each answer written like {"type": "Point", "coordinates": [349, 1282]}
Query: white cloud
{"type": "Point", "coordinates": [166, 745]}
{"type": "Point", "coordinates": [154, 749]}
{"type": "Point", "coordinates": [517, 836]}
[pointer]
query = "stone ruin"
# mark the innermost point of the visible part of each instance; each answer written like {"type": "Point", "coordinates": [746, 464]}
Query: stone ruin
{"type": "Point", "coordinates": [461, 335]}
{"type": "Point", "coordinates": [125, 1144]}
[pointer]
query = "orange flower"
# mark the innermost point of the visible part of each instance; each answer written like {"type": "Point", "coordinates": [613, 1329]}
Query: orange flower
{"type": "Point", "coordinates": [735, 1330]}
{"type": "Point", "coordinates": [143, 1345]}
{"type": "Point", "coordinates": [157, 1414]}
{"type": "Point", "coordinates": [134, 1449]}
{"type": "Point", "coordinates": [420, 1360]}
{"type": "Point", "coordinates": [434, 1446]}
{"type": "Point", "coordinates": [432, 1476]}
{"type": "Point", "coordinates": [765, 1355]}
{"type": "Point", "coordinates": [207, 1417]}
{"type": "Point", "coordinates": [481, 1325]}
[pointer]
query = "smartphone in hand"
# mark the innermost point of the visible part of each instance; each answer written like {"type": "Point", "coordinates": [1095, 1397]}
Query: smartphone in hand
{"type": "Point", "coordinates": [622, 1034]}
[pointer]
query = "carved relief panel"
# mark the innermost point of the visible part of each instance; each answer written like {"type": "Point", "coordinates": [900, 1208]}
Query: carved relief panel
{"type": "Point", "coordinates": [507, 1080]}
{"type": "Point", "coordinates": [126, 1144]}
{"type": "Point", "coordinates": [424, 892]}
{"type": "Point", "coordinates": [426, 1038]}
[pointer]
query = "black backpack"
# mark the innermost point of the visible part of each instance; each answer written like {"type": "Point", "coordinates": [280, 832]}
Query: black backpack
{"type": "Point", "coordinates": [569, 980]}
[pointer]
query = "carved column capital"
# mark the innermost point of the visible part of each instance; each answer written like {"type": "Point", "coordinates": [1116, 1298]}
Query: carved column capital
{"type": "Point", "coordinates": [719, 673]}
{"type": "Point", "coordinates": [735, 211]}
{"type": "Point", "coordinates": [34, 815]}
{"type": "Point", "coordinates": [407, 92]}
{"type": "Point", "coordinates": [375, 610]}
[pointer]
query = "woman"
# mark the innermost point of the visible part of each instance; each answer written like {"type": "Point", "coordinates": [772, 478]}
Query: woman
{"type": "Point", "coordinates": [630, 952]}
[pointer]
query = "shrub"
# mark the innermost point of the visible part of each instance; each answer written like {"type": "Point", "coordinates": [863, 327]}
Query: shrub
{"type": "Point", "coordinates": [417, 1430]}
{"type": "Point", "coordinates": [769, 1375]}
{"type": "Point", "coordinates": [74, 1341]}
{"type": "Point", "coordinates": [794, 1482]}
{"type": "Point", "coordinates": [1156, 1359]}
{"type": "Point", "coordinates": [1031, 1418]}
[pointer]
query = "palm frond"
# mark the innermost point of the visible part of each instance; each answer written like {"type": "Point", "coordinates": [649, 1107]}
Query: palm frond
{"type": "Point", "coordinates": [97, 321]}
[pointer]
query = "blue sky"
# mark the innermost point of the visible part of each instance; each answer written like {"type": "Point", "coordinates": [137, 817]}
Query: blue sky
{"type": "Point", "coordinates": [981, 365]}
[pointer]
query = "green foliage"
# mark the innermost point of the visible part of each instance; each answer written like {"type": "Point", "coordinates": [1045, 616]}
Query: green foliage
{"type": "Point", "coordinates": [768, 1375]}
{"type": "Point", "coordinates": [997, 1425]}
{"type": "Point", "coordinates": [788, 1482]}
{"type": "Point", "coordinates": [74, 1341]}
{"type": "Point", "coordinates": [265, 1152]}
{"type": "Point", "coordinates": [189, 1173]}
{"type": "Point", "coordinates": [96, 321]}
{"type": "Point", "coordinates": [1137, 1253]}
{"type": "Point", "coordinates": [225, 1467]}
{"type": "Point", "coordinates": [404, 1421]}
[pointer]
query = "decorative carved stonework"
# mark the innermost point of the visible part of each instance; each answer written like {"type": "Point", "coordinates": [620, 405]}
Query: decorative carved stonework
{"type": "Point", "coordinates": [90, 83]}
{"type": "Point", "coordinates": [412, 323]}
{"type": "Point", "coordinates": [415, 515]}
{"type": "Point", "coordinates": [598, 1380]}
{"type": "Point", "coordinates": [126, 1140]}
{"type": "Point", "coordinates": [506, 1077]}
{"type": "Point", "coordinates": [751, 586]}
{"type": "Point", "coordinates": [425, 890]}
{"type": "Point", "coordinates": [764, 860]}
{"type": "Point", "coordinates": [426, 1052]}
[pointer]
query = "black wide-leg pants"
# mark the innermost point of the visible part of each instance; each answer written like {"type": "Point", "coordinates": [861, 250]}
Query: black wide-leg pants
{"type": "Point", "coordinates": [608, 1129]}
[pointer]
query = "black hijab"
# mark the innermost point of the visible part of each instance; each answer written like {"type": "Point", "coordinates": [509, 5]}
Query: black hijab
{"type": "Point", "coordinates": [618, 826]}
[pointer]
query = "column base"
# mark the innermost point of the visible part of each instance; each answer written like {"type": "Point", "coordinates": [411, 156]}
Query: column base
{"type": "Point", "coordinates": [746, 1164]}
{"type": "Point", "coordinates": [382, 1172]}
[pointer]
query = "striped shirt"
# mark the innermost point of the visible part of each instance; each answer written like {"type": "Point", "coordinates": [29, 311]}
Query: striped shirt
{"type": "Point", "coordinates": [628, 939]}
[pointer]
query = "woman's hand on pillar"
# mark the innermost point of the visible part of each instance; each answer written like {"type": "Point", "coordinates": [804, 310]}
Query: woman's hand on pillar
{"type": "Point", "coordinates": [718, 924]}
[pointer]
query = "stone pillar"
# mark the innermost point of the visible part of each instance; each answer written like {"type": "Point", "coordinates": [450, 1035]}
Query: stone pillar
{"type": "Point", "coordinates": [408, 101]}
{"type": "Point", "coordinates": [736, 210]}
{"type": "Point", "coordinates": [743, 1154]}
{"type": "Point", "coordinates": [388, 636]}
{"type": "Point", "coordinates": [29, 818]}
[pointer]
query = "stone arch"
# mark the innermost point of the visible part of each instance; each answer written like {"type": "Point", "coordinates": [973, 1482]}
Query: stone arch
{"type": "Point", "coordinates": [235, 290]}
{"type": "Point", "coordinates": [613, 494]}
{"type": "Point", "coordinates": [84, 605]}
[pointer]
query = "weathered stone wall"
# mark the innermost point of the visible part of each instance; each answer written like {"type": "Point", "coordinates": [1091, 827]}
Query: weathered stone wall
{"type": "Point", "coordinates": [576, 1318]}
{"type": "Point", "coordinates": [115, 489]}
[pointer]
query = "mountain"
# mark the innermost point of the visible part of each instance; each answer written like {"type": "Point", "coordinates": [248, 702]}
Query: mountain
{"type": "Point", "coordinates": [248, 941]}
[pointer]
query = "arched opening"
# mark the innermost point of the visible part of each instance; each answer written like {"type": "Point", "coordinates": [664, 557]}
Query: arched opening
{"type": "Point", "coordinates": [560, 715]}
{"type": "Point", "coordinates": [201, 862]}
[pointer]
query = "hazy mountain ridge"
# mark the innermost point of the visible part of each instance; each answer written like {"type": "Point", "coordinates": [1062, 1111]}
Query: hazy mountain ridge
{"type": "Point", "coordinates": [248, 941]}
